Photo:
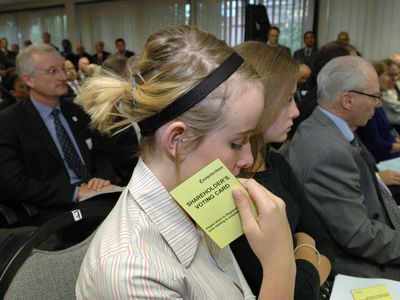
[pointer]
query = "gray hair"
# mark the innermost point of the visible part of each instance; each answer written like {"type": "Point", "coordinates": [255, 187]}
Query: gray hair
{"type": "Point", "coordinates": [339, 75]}
{"type": "Point", "coordinates": [25, 62]}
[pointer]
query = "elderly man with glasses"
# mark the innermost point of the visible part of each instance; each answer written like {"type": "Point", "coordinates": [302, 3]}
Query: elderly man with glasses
{"type": "Point", "coordinates": [339, 175]}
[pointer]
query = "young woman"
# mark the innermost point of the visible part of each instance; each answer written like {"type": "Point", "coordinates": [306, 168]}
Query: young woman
{"type": "Point", "coordinates": [279, 73]}
{"type": "Point", "coordinates": [194, 100]}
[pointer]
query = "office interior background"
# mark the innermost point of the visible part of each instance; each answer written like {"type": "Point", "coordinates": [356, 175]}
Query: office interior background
{"type": "Point", "coordinates": [373, 25]}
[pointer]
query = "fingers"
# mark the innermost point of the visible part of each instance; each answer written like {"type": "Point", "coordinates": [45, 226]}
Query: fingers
{"type": "Point", "coordinates": [96, 184]}
{"type": "Point", "coordinates": [246, 216]}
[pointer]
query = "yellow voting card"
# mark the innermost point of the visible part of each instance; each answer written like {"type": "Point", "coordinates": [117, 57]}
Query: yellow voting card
{"type": "Point", "coordinates": [378, 292]}
{"type": "Point", "coordinates": [207, 198]}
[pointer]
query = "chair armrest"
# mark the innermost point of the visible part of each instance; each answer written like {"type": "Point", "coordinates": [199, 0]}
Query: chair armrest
{"type": "Point", "coordinates": [28, 209]}
{"type": "Point", "coordinates": [7, 216]}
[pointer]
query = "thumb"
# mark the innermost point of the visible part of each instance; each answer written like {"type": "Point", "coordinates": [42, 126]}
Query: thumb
{"type": "Point", "coordinates": [243, 206]}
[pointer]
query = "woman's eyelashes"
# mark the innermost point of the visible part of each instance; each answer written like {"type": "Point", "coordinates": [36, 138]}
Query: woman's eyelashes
{"type": "Point", "coordinates": [236, 146]}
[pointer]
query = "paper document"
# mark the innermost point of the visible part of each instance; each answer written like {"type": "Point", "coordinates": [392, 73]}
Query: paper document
{"type": "Point", "coordinates": [390, 164]}
{"type": "Point", "coordinates": [119, 189]}
{"type": "Point", "coordinates": [356, 288]}
{"type": "Point", "coordinates": [207, 198]}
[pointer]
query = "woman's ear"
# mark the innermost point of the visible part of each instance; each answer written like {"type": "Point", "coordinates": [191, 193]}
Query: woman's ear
{"type": "Point", "coordinates": [172, 139]}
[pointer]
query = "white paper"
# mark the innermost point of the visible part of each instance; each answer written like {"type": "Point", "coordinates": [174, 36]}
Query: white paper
{"type": "Point", "coordinates": [390, 164]}
{"type": "Point", "coordinates": [119, 189]}
{"type": "Point", "coordinates": [344, 284]}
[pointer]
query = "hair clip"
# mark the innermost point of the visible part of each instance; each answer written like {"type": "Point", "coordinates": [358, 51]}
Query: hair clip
{"type": "Point", "coordinates": [134, 87]}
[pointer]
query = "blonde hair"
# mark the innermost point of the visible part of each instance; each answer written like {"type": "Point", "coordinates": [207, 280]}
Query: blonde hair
{"type": "Point", "coordinates": [174, 60]}
{"type": "Point", "coordinates": [279, 73]}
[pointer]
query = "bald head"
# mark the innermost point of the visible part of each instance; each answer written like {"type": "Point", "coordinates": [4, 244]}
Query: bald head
{"type": "Point", "coordinates": [343, 37]}
{"type": "Point", "coordinates": [83, 64]}
{"type": "Point", "coordinates": [304, 74]}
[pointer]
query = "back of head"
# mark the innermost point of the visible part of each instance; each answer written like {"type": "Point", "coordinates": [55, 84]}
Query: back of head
{"type": "Point", "coordinates": [174, 61]}
{"type": "Point", "coordinates": [339, 75]}
{"type": "Point", "coordinates": [117, 63]}
{"type": "Point", "coordinates": [278, 72]}
{"type": "Point", "coordinates": [328, 52]}
{"type": "Point", "coordinates": [25, 62]}
{"type": "Point", "coordinates": [380, 66]}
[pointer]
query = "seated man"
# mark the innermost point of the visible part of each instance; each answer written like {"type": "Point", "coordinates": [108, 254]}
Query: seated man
{"type": "Point", "coordinates": [338, 172]}
{"type": "Point", "coordinates": [48, 155]}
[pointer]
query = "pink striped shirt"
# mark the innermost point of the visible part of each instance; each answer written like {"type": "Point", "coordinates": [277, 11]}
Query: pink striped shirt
{"type": "Point", "coordinates": [148, 248]}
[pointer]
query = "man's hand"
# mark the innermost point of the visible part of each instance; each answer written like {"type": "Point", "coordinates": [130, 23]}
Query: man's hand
{"type": "Point", "coordinates": [390, 177]}
{"type": "Point", "coordinates": [96, 184]}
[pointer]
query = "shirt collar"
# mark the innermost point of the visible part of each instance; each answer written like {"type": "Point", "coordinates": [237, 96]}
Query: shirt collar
{"type": "Point", "coordinates": [340, 123]}
{"type": "Point", "coordinates": [43, 109]}
{"type": "Point", "coordinates": [173, 223]}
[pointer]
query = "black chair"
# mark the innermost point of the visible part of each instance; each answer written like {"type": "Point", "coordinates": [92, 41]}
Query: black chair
{"type": "Point", "coordinates": [18, 255]}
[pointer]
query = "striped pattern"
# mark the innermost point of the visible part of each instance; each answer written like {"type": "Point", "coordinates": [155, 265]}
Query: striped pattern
{"type": "Point", "coordinates": [148, 248]}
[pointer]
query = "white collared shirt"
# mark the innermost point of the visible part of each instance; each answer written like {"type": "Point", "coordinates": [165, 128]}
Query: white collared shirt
{"type": "Point", "coordinates": [148, 248]}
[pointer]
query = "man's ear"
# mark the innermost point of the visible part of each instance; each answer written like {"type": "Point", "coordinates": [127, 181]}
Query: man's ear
{"type": "Point", "coordinates": [27, 80]}
{"type": "Point", "coordinates": [346, 101]}
{"type": "Point", "coordinates": [172, 139]}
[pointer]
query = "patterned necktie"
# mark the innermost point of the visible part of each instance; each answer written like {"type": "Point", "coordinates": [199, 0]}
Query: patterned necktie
{"type": "Point", "coordinates": [70, 154]}
{"type": "Point", "coordinates": [391, 206]}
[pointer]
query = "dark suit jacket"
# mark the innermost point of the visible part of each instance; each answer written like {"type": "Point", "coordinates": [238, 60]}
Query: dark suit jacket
{"type": "Point", "coordinates": [340, 187]}
{"type": "Point", "coordinates": [128, 53]}
{"type": "Point", "coordinates": [300, 55]}
{"type": "Point", "coordinates": [99, 61]}
{"type": "Point", "coordinates": [32, 170]}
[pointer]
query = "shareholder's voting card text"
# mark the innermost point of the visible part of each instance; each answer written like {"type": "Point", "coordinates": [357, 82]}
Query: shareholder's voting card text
{"type": "Point", "coordinates": [207, 198]}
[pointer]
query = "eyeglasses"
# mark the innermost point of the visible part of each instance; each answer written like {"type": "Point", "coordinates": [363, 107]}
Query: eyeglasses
{"type": "Point", "coordinates": [52, 71]}
{"type": "Point", "coordinates": [376, 97]}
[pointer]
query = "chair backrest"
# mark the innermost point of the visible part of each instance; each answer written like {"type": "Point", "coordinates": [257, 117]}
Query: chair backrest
{"type": "Point", "coordinates": [48, 274]}
{"type": "Point", "coordinates": [42, 274]}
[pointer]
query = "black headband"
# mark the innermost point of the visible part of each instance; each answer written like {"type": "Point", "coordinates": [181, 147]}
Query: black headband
{"type": "Point", "coordinates": [194, 96]}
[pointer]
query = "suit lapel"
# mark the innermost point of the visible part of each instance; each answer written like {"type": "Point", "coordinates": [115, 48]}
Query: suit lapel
{"type": "Point", "coordinates": [34, 124]}
{"type": "Point", "coordinates": [78, 127]}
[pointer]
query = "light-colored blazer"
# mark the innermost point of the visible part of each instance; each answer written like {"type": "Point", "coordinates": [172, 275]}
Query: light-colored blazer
{"type": "Point", "coordinates": [341, 189]}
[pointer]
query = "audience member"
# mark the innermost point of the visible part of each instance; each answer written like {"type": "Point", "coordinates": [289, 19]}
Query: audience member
{"type": "Point", "coordinates": [16, 91]}
{"type": "Point", "coordinates": [81, 52]}
{"type": "Point", "coordinates": [309, 101]}
{"type": "Point", "coordinates": [277, 69]}
{"type": "Point", "coordinates": [377, 134]}
{"type": "Point", "coordinates": [118, 63]}
{"type": "Point", "coordinates": [343, 37]}
{"type": "Point", "coordinates": [83, 65]}
{"type": "Point", "coordinates": [7, 60]}
{"type": "Point", "coordinates": [303, 77]}
{"type": "Point", "coordinates": [27, 43]}
{"type": "Point", "coordinates": [72, 81]}
{"type": "Point", "coordinates": [391, 103]}
{"type": "Point", "coordinates": [217, 113]}
{"type": "Point", "coordinates": [396, 58]}
{"type": "Point", "coordinates": [48, 154]}
{"type": "Point", "coordinates": [273, 39]}
{"type": "Point", "coordinates": [338, 172]}
{"type": "Point", "coordinates": [100, 56]}
{"type": "Point", "coordinates": [15, 49]}
{"type": "Point", "coordinates": [121, 47]}
{"type": "Point", "coordinates": [46, 37]}
{"type": "Point", "coordinates": [307, 54]}
{"type": "Point", "coordinates": [123, 147]}
{"type": "Point", "coordinates": [67, 52]}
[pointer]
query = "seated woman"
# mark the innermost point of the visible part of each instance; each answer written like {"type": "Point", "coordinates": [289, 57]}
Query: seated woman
{"type": "Point", "coordinates": [377, 134]}
{"type": "Point", "coordinates": [279, 74]}
{"type": "Point", "coordinates": [391, 103]}
{"type": "Point", "coordinates": [194, 100]}
{"type": "Point", "coordinates": [16, 91]}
